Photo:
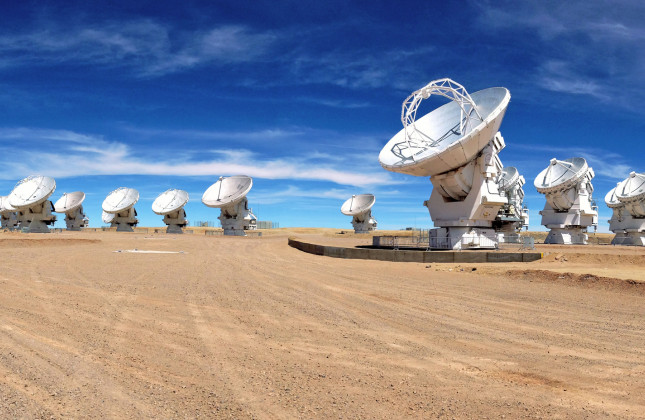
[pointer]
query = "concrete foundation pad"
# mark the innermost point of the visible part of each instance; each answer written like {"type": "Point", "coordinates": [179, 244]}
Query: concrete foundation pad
{"type": "Point", "coordinates": [413, 255]}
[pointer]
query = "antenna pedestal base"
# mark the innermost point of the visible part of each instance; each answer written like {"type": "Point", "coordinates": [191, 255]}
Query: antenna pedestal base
{"type": "Point", "coordinates": [629, 230]}
{"type": "Point", "coordinates": [465, 202]}
{"type": "Point", "coordinates": [567, 236]}
{"type": "Point", "coordinates": [126, 220]}
{"type": "Point", "coordinates": [40, 217]}
{"type": "Point", "coordinates": [243, 219]}
{"type": "Point", "coordinates": [75, 220]}
{"type": "Point", "coordinates": [175, 221]}
{"type": "Point", "coordinates": [457, 238]}
{"type": "Point", "coordinates": [364, 224]}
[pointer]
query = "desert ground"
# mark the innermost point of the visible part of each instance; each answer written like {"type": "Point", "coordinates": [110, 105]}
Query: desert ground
{"type": "Point", "coordinates": [232, 327]}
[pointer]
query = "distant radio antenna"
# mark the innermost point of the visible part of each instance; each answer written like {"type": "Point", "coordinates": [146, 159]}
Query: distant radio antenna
{"type": "Point", "coordinates": [170, 204]}
{"type": "Point", "coordinates": [120, 203]}
{"type": "Point", "coordinates": [72, 205]}
{"type": "Point", "coordinates": [627, 200]}
{"type": "Point", "coordinates": [30, 198]}
{"type": "Point", "coordinates": [569, 209]}
{"type": "Point", "coordinates": [360, 208]}
{"type": "Point", "coordinates": [229, 195]}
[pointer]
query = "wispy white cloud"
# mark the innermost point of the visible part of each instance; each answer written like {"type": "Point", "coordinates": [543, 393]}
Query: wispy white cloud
{"type": "Point", "coordinates": [148, 47]}
{"type": "Point", "coordinates": [76, 154]}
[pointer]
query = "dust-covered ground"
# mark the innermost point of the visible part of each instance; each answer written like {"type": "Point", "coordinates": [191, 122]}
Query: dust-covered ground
{"type": "Point", "coordinates": [251, 328]}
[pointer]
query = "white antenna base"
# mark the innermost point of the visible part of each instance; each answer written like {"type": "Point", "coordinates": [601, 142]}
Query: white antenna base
{"type": "Point", "coordinates": [243, 220]}
{"type": "Point", "coordinates": [126, 220]}
{"type": "Point", "coordinates": [465, 202]}
{"type": "Point", "coordinates": [461, 237]}
{"type": "Point", "coordinates": [40, 217]}
{"type": "Point", "coordinates": [175, 222]}
{"type": "Point", "coordinates": [365, 223]}
{"type": "Point", "coordinates": [629, 230]}
{"type": "Point", "coordinates": [567, 236]}
{"type": "Point", "coordinates": [76, 219]}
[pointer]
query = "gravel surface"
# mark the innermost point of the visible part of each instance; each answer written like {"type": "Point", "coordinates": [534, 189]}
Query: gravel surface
{"type": "Point", "coordinates": [251, 328]}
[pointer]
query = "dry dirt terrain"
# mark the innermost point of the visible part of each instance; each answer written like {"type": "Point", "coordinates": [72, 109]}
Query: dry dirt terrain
{"type": "Point", "coordinates": [232, 327]}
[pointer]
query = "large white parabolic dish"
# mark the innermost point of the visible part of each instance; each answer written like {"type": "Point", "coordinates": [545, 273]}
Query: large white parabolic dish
{"type": "Point", "coordinates": [32, 191]}
{"type": "Point", "coordinates": [561, 175]}
{"type": "Point", "coordinates": [358, 204]}
{"type": "Point", "coordinates": [5, 207]}
{"type": "Point", "coordinates": [445, 139]}
{"type": "Point", "coordinates": [107, 217]}
{"type": "Point", "coordinates": [508, 178]}
{"type": "Point", "coordinates": [120, 200]}
{"type": "Point", "coordinates": [227, 191]}
{"type": "Point", "coordinates": [611, 200]}
{"type": "Point", "coordinates": [170, 201]}
{"type": "Point", "coordinates": [69, 201]}
{"type": "Point", "coordinates": [632, 189]}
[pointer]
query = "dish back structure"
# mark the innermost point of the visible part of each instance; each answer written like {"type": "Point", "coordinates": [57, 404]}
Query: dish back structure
{"type": "Point", "coordinates": [229, 195]}
{"type": "Point", "coordinates": [627, 201]}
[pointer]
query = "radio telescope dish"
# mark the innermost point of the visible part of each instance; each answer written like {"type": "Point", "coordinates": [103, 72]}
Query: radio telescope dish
{"type": "Point", "coordinates": [227, 191]}
{"type": "Point", "coordinates": [561, 175]}
{"type": "Point", "coordinates": [107, 217]}
{"type": "Point", "coordinates": [569, 208]}
{"type": "Point", "coordinates": [120, 202]}
{"type": "Point", "coordinates": [612, 200]}
{"type": "Point", "coordinates": [32, 191]}
{"type": "Point", "coordinates": [229, 195]}
{"type": "Point", "coordinates": [448, 137]}
{"type": "Point", "coordinates": [69, 201]}
{"type": "Point", "coordinates": [71, 205]}
{"type": "Point", "coordinates": [359, 207]}
{"type": "Point", "coordinates": [8, 216]}
{"type": "Point", "coordinates": [627, 201]}
{"type": "Point", "coordinates": [513, 215]}
{"type": "Point", "coordinates": [457, 146]}
{"type": "Point", "coordinates": [30, 198]}
{"type": "Point", "coordinates": [170, 204]}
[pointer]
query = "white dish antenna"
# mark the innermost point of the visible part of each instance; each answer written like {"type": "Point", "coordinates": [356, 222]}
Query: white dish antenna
{"type": "Point", "coordinates": [569, 208]}
{"type": "Point", "coordinates": [32, 191]}
{"type": "Point", "coordinates": [612, 200]}
{"type": "Point", "coordinates": [69, 202]}
{"type": "Point", "coordinates": [561, 175]}
{"type": "Point", "coordinates": [358, 204]}
{"type": "Point", "coordinates": [107, 217]}
{"type": "Point", "coordinates": [227, 191]}
{"type": "Point", "coordinates": [632, 189]}
{"type": "Point", "coordinates": [360, 208]}
{"type": "Point", "coordinates": [120, 200]}
{"type": "Point", "coordinates": [229, 195]}
{"type": "Point", "coordinates": [448, 137]}
{"type": "Point", "coordinates": [456, 145]}
{"type": "Point", "coordinates": [8, 216]}
{"type": "Point", "coordinates": [509, 178]}
{"type": "Point", "coordinates": [30, 197]}
{"type": "Point", "coordinates": [5, 207]}
{"type": "Point", "coordinates": [170, 204]}
{"type": "Point", "coordinates": [170, 201]}
{"type": "Point", "coordinates": [627, 201]}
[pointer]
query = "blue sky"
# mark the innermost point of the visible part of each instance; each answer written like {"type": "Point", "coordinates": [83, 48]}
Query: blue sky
{"type": "Point", "coordinates": [303, 95]}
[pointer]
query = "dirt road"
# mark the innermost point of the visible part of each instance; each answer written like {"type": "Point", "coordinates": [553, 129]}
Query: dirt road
{"type": "Point", "coordinates": [250, 328]}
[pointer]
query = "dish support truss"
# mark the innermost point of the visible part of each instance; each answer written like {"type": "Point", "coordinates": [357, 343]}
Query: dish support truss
{"type": "Point", "coordinates": [76, 219]}
{"type": "Point", "coordinates": [447, 88]}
